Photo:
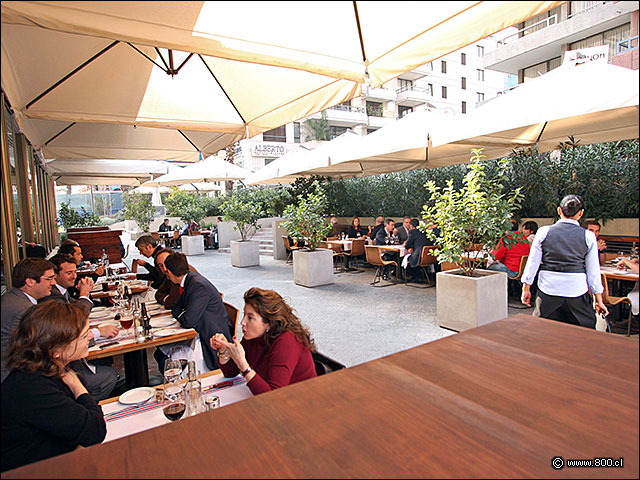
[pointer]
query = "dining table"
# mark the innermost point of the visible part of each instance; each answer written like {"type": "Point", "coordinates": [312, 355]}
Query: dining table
{"type": "Point", "coordinates": [519, 397]}
{"type": "Point", "coordinates": [124, 419]}
{"type": "Point", "coordinates": [165, 330]}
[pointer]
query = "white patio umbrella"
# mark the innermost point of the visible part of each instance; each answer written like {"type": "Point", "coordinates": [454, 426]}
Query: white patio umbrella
{"type": "Point", "coordinates": [544, 111]}
{"type": "Point", "coordinates": [213, 66]}
{"type": "Point", "coordinates": [199, 186]}
{"type": "Point", "coordinates": [104, 172]}
{"type": "Point", "coordinates": [212, 169]}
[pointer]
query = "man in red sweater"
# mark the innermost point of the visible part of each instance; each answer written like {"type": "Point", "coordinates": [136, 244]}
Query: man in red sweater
{"type": "Point", "coordinates": [508, 258]}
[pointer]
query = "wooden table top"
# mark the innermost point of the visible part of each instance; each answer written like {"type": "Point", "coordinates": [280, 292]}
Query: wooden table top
{"type": "Point", "coordinates": [501, 400]}
{"type": "Point", "coordinates": [612, 272]}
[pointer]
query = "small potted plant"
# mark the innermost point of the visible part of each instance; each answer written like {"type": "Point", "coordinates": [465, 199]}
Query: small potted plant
{"type": "Point", "coordinates": [312, 266]}
{"type": "Point", "coordinates": [477, 216]}
{"type": "Point", "coordinates": [245, 214]}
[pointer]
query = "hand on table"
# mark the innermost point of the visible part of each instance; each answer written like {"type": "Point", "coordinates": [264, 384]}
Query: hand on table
{"type": "Point", "coordinates": [85, 285]}
{"type": "Point", "coordinates": [108, 331]}
{"type": "Point", "coordinates": [625, 263]}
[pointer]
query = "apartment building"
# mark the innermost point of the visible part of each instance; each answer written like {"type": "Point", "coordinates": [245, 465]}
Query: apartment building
{"type": "Point", "coordinates": [539, 44]}
{"type": "Point", "coordinates": [455, 83]}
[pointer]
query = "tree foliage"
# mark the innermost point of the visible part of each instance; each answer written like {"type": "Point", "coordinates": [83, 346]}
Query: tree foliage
{"type": "Point", "coordinates": [186, 205]}
{"type": "Point", "coordinates": [139, 208]}
{"type": "Point", "coordinates": [69, 218]}
{"type": "Point", "coordinates": [477, 213]}
{"type": "Point", "coordinates": [244, 212]}
{"type": "Point", "coordinates": [306, 220]}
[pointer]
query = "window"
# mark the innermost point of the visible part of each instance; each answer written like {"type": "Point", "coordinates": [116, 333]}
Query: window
{"type": "Point", "coordinates": [444, 66]}
{"type": "Point", "coordinates": [480, 50]}
{"type": "Point", "coordinates": [463, 58]}
{"type": "Point", "coordinates": [444, 92]}
{"type": "Point", "coordinates": [464, 107]}
{"type": "Point", "coordinates": [296, 132]}
{"type": "Point", "coordinates": [430, 89]}
{"type": "Point", "coordinates": [404, 110]}
{"type": "Point", "coordinates": [404, 84]}
{"type": "Point", "coordinates": [374, 109]}
{"type": "Point", "coordinates": [480, 96]}
{"type": "Point", "coordinates": [275, 135]}
{"type": "Point", "coordinates": [464, 83]}
{"type": "Point", "coordinates": [335, 131]}
{"type": "Point", "coordinates": [480, 75]}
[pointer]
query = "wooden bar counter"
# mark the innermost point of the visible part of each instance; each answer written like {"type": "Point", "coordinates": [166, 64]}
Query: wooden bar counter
{"type": "Point", "coordinates": [501, 400]}
{"type": "Point", "coordinates": [93, 239]}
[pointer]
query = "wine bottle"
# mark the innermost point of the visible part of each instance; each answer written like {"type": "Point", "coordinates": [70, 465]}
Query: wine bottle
{"type": "Point", "coordinates": [193, 391]}
{"type": "Point", "coordinates": [146, 322]}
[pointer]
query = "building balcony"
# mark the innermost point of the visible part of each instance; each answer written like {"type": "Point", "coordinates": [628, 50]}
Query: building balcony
{"type": "Point", "coordinates": [418, 73]}
{"type": "Point", "coordinates": [412, 96]}
{"type": "Point", "coordinates": [627, 54]}
{"type": "Point", "coordinates": [344, 116]}
{"type": "Point", "coordinates": [380, 95]}
{"type": "Point", "coordinates": [544, 40]}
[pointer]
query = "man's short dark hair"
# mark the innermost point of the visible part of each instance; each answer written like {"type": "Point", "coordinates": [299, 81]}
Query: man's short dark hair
{"type": "Point", "coordinates": [571, 204]}
{"type": "Point", "coordinates": [145, 240]}
{"type": "Point", "coordinates": [165, 220]}
{"type": "Point", "coordinates": [164, 250]}
{"type": "Point", "coordinates": [593, 222]}
{"type": "Point", "coordinates": [59, 258]}
{"type": "Point", "coordinates": [68, 248]}
{"type": "Point", "coordinates": [177, 264]}
{"type": "Point", "coordinates": [69, 241]}
{"type": "Point", "coordinates": [530, 225]}
{"type": "Point", "coordinates": [390, 220]}
{"type": "Point", "coordinates": [415, 222]}
{"type": "Point", "coordinates": [30, 267]}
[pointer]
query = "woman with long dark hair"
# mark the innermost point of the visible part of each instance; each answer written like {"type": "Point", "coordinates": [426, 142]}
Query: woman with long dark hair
{"type": "Point", "coordinates": [275, 350]}
{"type": "Point", "coordinates": [46, 410]}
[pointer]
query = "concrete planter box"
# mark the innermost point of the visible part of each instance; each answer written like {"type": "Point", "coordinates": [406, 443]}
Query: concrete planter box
{"type": "Point", "coordinates": [469, 302]}
{"type": "Point", "coordinates": [192, 244]}
{"type": "Point", "coordinates": [313, 268]}
{"type": "Point", "coordinates": [245, 254]}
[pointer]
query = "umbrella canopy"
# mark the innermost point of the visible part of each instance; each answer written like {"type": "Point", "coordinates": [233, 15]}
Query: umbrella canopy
{"type": "Point", "coordinates": [201, 186]}
{"type": "Point", "coordinates": [228, 67]}
{"type": "Point", "coordinates": [104, 172]}
{"type": "Point", "coordinates": [303, 162]}
{"type": "Point", "coordinates": [151, 190]}
{"type": "Point", "coordinates": [78, 140]}
{"type": "Point", "coordinates": [212, 169]}
{"type": "Point", "coordinates": [544, 111]}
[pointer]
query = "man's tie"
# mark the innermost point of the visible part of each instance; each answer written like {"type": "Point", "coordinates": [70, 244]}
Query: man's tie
{"type": "Point", "coordinates": [181, 290]}
{"type": "Point", "coordinates": [67, 297]}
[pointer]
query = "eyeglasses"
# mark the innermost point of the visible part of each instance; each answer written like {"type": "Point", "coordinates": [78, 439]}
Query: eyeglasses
{"type": "Point", "coordinates": [48, 278]}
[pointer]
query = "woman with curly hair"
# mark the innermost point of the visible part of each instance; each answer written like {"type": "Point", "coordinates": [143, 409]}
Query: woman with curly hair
{"type": "Point", "coordinates": [46, 410]}
{"type": "Point", "coordinates": [275, 350]}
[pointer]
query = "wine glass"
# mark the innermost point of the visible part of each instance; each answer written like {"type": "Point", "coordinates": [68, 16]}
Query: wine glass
{"type": "Point", "coordinates": [174, 405]}
{"type": "Point", "coordinates": [180, 354]}
{"type": "Point", "coordinates": [126, 319]}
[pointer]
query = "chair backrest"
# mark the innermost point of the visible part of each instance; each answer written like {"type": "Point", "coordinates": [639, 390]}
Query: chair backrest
{"type": "Point", "coordinates": [176, 234]}
{"type": "Point", "coordinates": [444, 266]}
{"type": "Point", "coordinates": [285, 240]}
{"type": "Point", "coordinates": [605, 294]}
{"type": "Point", "coordinates": [427, 258]}
{"type": "Point", "coordinates": [357, 247]}
{"type": "Point", "coordinates": [332, 238]}
{"type": "Point", "coordinates": [325, 364]}
{"type": "Point", "coordinates": [374, 257]}
{"type": "Point", "coordinates": [233, 313]}
{"type": "Point", "coordinates": [156, 236]}
{"type": "Point", "coordinates": [523, 263]}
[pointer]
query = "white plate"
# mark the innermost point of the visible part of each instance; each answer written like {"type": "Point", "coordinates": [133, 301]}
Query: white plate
{"type": "Point", "coordinates": [137, 396]}
{"type": "Point", "coordinates": [160, 322]}
{"type": "Point", "coordinates": [168, 332]}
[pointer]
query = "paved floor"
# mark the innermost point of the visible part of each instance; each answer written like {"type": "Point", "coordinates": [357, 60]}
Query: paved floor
{"type": "Point", "coordinates": [351, 321]}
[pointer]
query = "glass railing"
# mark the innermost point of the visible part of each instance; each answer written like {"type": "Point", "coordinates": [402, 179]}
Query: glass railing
{"type": "Point", "coordinates": [627, 44]}
{"type": "Point", "coordinates": [413, 89]}
{"type": "Point", "coordinates": [544, 23]}
{"type": "Point", "coordinates": [348, 108]}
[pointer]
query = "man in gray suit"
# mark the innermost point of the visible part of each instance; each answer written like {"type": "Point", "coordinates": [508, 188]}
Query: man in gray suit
{"type": "Point", "coordinates": [403, 230]}
{"type": "Point", "coordinates": [99, 377]}
{"type": "Point", "coordinates": [32, 280]}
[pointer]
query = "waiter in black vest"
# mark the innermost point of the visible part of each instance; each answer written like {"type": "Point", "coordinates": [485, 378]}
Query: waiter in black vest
{"type": "Point", "coordinates": [567, 256]}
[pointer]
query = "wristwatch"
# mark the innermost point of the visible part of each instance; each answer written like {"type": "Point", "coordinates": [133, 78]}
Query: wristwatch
{"type": "Point", "coordinates": [246, 372]}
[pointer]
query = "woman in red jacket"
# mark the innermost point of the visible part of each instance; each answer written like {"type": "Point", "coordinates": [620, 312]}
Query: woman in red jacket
{"type": "Point", "coordinates": [275, 350]}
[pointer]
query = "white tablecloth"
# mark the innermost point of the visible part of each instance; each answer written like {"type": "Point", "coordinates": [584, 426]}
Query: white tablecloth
{"type": "Point", "coordinates": [155, 418]}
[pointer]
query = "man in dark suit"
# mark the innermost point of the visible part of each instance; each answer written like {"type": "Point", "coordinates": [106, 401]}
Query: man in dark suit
{"type": "Point", "coordinates": [199, 306]}
{"type": "Point", "coordinates": [32, 279]}
{"type": "Point", "coordinates": [99, 377]}
{"type": "Point", "coordinates": [403, 230]}
{"type": "Point", "coordinates": [415, 242]}
{"type": "Point", "coordinates": [377, 227]}
{"type": "Point", "coordinates": [381, 239]}
{"type": "Point", "coordinates": [168, 292]}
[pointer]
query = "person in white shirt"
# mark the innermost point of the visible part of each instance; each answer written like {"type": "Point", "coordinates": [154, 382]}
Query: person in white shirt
{"type": "Point", "coordinates": [567, 257]}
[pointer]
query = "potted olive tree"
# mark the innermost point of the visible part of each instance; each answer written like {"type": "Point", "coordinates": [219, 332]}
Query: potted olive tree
{"type": "Point", "coordinates": [312, 266]}
{"type": "Point", "coordinates": [245, 214]}
{"type": "Point", "coordinates": [477, 215]}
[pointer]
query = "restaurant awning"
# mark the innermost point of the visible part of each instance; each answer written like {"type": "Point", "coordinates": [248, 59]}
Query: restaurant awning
{"type": "Point", "coordinates": [228, 67]}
